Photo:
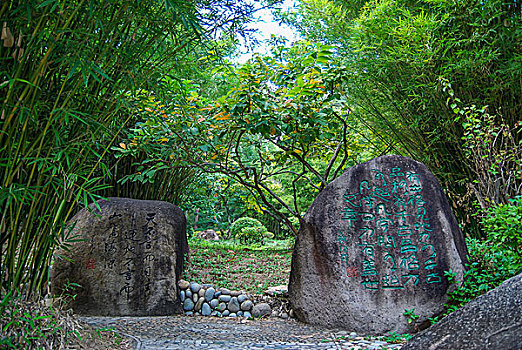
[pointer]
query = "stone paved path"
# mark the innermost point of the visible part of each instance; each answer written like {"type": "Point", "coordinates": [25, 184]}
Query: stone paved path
{"type": "Point", "coordinates": [182, 332]}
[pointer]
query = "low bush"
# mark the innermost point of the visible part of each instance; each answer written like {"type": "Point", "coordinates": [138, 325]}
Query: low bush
{"type": "Point", "coordinates": [249, 231]}
{"type": "Point", "coordinates": [252, 235]}
{"type": "Point", "coordinates": [49, 324]}
{"type": "Point", "coordinates": [31, 325]}
{"type": "Point", "coordinates": [489, 265]}
{"type": "Point", "coordinates": [238, 267]}
{"type": "Point", "coordinates": [503, 225]}
{"type": "Point", "coordinates": [494, 260]}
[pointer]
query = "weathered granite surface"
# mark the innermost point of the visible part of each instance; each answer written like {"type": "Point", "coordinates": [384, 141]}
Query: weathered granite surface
{"type": "Point", "coordinates": [374, 243]}
{"type": "Point", "coordinates": [127, 256]}
{"type": "Point", "coordinates": [491, 321]}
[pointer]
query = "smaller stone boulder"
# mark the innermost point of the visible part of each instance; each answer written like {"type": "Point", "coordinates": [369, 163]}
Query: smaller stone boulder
{"type": "Point", "coordinates": [491, 321]}
{"type": "Point", "coordinates": [247, 305]}
{"type": "Point", "coordinates": [233, 305]}
{"type": "Point", "coordinates": [127, 257]}
{"type": "Point", "coordinates": [261, 310]}
{"type": "Point", "coordinates": [208, 235]}
{"type": "Point", "coordinates": [182, 284]}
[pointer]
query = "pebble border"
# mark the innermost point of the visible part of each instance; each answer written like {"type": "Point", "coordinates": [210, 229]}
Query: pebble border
{"type": "Point", "coordinates": [205, 300]}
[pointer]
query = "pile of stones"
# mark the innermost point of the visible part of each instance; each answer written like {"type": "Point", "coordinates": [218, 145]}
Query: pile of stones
{"type": "Point", "coordinates": [205, 300]}
{"type": "Point", "coordinates": [277, 298]}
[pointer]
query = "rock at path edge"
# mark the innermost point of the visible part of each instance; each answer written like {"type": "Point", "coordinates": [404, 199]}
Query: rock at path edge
{"type": "Point", "coordinates": [491, 321]}
{"type": "Point", "coordinates": [261, 310]}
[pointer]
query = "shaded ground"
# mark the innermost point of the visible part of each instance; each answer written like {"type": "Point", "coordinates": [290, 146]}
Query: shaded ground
{"type": "Point", "coordinates": [215, 263]}
{"type": "Point", "coordinates": [236, 268]}
{"type": "Point", "coordinates": [32, 324]}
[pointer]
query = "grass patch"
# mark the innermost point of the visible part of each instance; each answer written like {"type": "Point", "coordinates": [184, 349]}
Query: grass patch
{"type": "Point", "coordinates": [235, 266]}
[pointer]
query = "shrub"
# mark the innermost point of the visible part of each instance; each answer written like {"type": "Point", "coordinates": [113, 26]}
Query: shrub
{"type": "Point", "coordinates": [30, 324]}
{"type": "Point", "coordinates": [248, 231]}
{"type": "Point", "coordinates": [252, 235]}
{"type": "Point", "coordinates": [243, 222]}
{"type": "Point", "coordinates": [489, 265]}
{"type": "Point", "coordinates": [503, 225]}
{"type": "Point", "coordinates": [495, 259]}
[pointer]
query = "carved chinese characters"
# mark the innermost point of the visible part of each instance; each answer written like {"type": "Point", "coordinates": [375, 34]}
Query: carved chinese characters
{"type": "Point", "coordinates": [385, 222]}
{"type": "Point", "coordinates": [138, 254]}
{"type": "Point", "coordinates": [129, 259]}
{"type": "Point", "coordinates": [374, 243]}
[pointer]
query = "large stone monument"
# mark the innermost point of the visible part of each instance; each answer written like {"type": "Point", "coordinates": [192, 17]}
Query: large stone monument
{"type": "Point", "coordinates": [127, 257]}
{"type": "Point", "coordinates": [375, 243]}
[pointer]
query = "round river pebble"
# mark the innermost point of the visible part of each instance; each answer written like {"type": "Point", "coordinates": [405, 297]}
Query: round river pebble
{"type": "Point", "coordinates": [220, 303]}
{"type": "Point", "coordinates": [195, 287]}
{"type": "Point", "coordinates": [206, 310]}
{"type": "Point", "coordinates": [225, 298]}
{"type": "Point", "coordinates": [233, 306]}
{"type": "Point", "coordinates": [246, 305]}
{"type": "Point", "coordinates": [209, 294]}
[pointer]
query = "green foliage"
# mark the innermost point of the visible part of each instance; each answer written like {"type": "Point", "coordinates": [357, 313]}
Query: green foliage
{"type": "Point", "coordinates": [322, 21]}
{"type": "Point", "coordinates": [233, 244]}
{"type": "Point", "coordinates": [489, 266]}
{"type": "Point", "coordinates": [72, 78]}
{"type": "Point", "coordinates": [31, 324]}
{"type": "Point", "coordinates": [68, 73]}
{"type": "Point", "coordinates": [492, 151]}
{"type": "Point", "coordinates": [136, 176]}
{"type": "Point", "coordinates": [283, 132]}
{"type": "Point", "coordinates": [433, 320]}
{"type": "Point", "coordinates": [253, 235]}
{"type": "Point", "coordinates": [235, 266]}
{"type": "Point", "coordinates": [248, 231]}
{"type": "Point", "coordinates": [197, 242]}
{"type": "Point", "coordinates": [396, 338]}
{"type": "Point", "coordinates": [411, 315]}
{"type": "Point", "coordinates": [242, 223]}
{"type": "Point", "coordinates": [117, 337]}
{"type": "Point", "coordinates": [216, 201]}
{"type": "Point", "coordinates": [503, 225]}
{"type": "Point", "coordinates": [395, 53]}
{"type": "Point", "coordinates": [280, 244]}
{"type": "Point", "coordinates": [493, 260]}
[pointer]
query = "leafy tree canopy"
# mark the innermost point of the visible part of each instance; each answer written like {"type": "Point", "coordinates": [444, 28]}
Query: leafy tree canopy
{"type": "Point", "coordinates": [415, 67]}
{"type": "Point", "coordinates": [284, 128]}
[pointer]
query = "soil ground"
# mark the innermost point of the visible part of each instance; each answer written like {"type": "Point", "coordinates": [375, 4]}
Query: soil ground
{"type": "Point", "coordinates": [252, 271]}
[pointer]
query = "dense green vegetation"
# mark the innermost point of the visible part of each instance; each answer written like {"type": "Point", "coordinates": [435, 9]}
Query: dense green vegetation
{"type": "Point", "coordinates": [495, 259]}
{"type": "Point", "coordinates": [74, 76]}
{"type": "Point", "coordinates": [438, 81]}
{"type": "Point", "coordinates": [143, 99]}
